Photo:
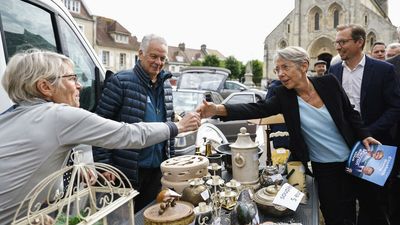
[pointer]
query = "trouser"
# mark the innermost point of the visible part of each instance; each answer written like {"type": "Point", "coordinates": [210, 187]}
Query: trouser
{"type": "Point", "coordinates": [394, 200]}
{"type": "Point", "coordinates": [372, 200]}
{"type": "Point", "coordinates": [394, 188]}
{"type": "Point", "coordinates": [149, 187]}
{"type": "Point", "coordinates": [335, 193]}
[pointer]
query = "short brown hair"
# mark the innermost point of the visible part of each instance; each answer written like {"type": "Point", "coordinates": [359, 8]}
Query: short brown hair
{"type": "Point", "coordinates": [357, 31]}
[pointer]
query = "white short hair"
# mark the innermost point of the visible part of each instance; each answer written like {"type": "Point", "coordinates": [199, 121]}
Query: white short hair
{"type": "Point", "coordinates": [25, 69]}
{"type": "Point", "coordinates": [149, 38]}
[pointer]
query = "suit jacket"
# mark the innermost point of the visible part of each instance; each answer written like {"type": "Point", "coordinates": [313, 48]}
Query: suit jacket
{"type": "Point", "coordinates": [380, 97]}
{"type": "Point", "coordinates": [285, 101]}
{"type": "Point", "coordinates": [395, 61]}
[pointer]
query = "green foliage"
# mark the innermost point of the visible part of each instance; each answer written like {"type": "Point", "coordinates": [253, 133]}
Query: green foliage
{"type": "Point", "coordinates": [196, 63]}
{"type": "Point", "coordinates": [73, 220]}
{"type": "Point", "coordinates": [232, 64]}
{"type": "Point", "coordinates": [211, 60]}
{"type": "Point", "coordinates": [242, 72]}
{"type": "Point", "coordinates": [257, 70]}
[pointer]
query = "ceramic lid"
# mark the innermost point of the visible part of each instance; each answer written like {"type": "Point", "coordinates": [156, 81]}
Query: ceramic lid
{"type": "Point", "coordinates": [243, 140]}
{"type": "Point", "coordinates": [182, 211]}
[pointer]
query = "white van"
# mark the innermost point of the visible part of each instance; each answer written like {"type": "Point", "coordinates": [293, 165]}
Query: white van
{"type": "Point", "coordinates": [47, 24]}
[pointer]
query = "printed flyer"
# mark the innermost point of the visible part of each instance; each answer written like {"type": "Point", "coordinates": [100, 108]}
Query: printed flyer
{"type": "Point", "coordinates": [374, 165]}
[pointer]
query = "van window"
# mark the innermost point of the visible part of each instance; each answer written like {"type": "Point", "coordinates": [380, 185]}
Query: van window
{"type": "Point", "coordinates": [84, 65]}
{"type": "Point", "coordinates": [21, 32]}
{"type": "Point", "coordinates": [28, 26]}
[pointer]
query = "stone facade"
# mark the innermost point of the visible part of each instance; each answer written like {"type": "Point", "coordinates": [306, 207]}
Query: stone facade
{"type": "Point", "coordinates": [311, 25]}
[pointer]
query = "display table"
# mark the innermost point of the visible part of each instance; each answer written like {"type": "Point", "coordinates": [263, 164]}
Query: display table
{"type": "Point", "coordinates": [306, 214]}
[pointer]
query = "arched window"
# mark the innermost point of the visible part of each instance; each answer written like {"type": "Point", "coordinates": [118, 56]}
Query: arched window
{"type": "Point", "coordinates": [371, 42]}
{"type": "Point", "coordinates": [316, 21]}
{"type": "Point", "coordinates": [335, 18]}
{"type": "Point", "coordinates": [282, 44]}
{"type": "Point", "coordinates": [288, 28]}
{"type": "Point", "coordinates": [365, 20]}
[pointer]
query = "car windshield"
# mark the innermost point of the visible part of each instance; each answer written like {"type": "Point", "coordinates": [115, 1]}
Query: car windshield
{"type": "Point", "coordinates": [201, 81]}
{"type": "Point", "coordinates": [186, 101]}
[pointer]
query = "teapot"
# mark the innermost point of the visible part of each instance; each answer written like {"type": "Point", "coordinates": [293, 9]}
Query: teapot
{"type": "Point", "coordinates": [264, 200]}
{"type": "Point", "coordinates": [270, 176]}
{"type": "Point", "coordinates": [193, 193]}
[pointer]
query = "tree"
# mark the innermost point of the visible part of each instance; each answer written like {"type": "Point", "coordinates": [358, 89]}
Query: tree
{"type": "Point", "coordinates": [196, 63]}
{"type": "Point", "coordinates": [257, 71]}
{"type": "Point", "coordinates": [242, 72]}
{"type": "Point", "coordinates": [211, 60]}
{"type": "Point", "coordinates": [232, 64]}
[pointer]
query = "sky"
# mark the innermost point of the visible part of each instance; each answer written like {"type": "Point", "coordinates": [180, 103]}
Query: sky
{"type": "Point", "coordinates": [233, 27]}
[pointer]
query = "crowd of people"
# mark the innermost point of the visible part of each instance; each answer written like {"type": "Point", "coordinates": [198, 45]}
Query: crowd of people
{"type": "Point", "coordinates": [134, 126]}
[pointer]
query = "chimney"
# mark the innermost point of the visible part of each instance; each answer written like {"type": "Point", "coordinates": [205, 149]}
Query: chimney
{"type": "Point", "coordinates": [181, 46]}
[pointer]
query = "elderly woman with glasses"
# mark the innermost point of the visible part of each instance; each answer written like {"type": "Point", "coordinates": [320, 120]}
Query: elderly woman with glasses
{"type": "Point", "coordinates": [322, 125]}
{"type": "Point", "coordinates": [40, 130]}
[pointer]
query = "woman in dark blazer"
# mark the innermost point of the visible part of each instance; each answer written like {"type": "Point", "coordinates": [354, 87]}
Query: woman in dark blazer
{"type": "Point", "coordinates": [322, 125]}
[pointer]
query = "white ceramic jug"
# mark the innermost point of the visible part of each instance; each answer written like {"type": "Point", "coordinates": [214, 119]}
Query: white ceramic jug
{"type": "Point", "coordinates": [245, 161]}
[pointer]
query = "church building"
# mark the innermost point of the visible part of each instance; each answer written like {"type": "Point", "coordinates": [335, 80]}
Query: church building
{"type": "Point", "coordinates": [312, 25]}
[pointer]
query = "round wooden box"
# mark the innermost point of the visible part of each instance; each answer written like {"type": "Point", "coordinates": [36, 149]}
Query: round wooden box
{"type": "Point", "coordinates": [181, 214]}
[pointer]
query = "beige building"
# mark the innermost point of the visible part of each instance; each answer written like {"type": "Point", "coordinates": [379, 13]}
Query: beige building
{"type": "Point", "coordinates": [180, 57]}
{"type": "Point", "coordinates": [114, 44]}
{"type": "Point", "coordinates": [116, 47]}
{"type": "Point", "coordinates": [311, 25]}
{"type": "Point", "coordinates": [83, 18]}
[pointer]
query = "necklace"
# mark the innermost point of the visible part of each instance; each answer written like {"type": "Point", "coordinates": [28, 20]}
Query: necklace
{"type": "Point", "coordinates": [308, 96]}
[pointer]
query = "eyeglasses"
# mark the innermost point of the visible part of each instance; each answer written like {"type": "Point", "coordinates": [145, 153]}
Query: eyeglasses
{"type": "Point", "coordinates": [154, 57]}
{"type": "Point", "coordinates": [71, 77]}
{"type": "Point", "coordinates": [341, 42]}
{"type": "Point", "coordinates": [283, 68]}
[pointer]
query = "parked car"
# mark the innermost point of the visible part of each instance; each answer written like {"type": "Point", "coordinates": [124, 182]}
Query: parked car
{"type": "Point", "coordinates": [231, 128]}
{"type": "Point", "coordinates": [203, 78]}
{"type": "Point", "coordinates": [187, 100]}
{"type": "Point", "coordinates": [231, 86]}
{"type": "Point", "coordinates": [214, 79]}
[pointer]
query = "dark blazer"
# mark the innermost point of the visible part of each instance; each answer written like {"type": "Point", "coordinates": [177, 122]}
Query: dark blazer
{"type": "Point", "coordinates": [395, 61]}
{"type": "Point", "coordinates": [347, 120]}
{"type": "Point", "coordinates": [380, 97]}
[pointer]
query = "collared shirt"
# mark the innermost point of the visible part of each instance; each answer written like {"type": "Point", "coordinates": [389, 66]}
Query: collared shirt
{"type": "Point", "coordinates": [351, 82]}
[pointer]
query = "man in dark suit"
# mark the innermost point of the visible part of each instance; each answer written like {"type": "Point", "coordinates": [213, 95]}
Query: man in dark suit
{"type": "Point", "coordinates": [395, 61]}
{"type": "Point", "coordinates": [373, 90]}
{"type": "Point", "coordinates": [394, 188]}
